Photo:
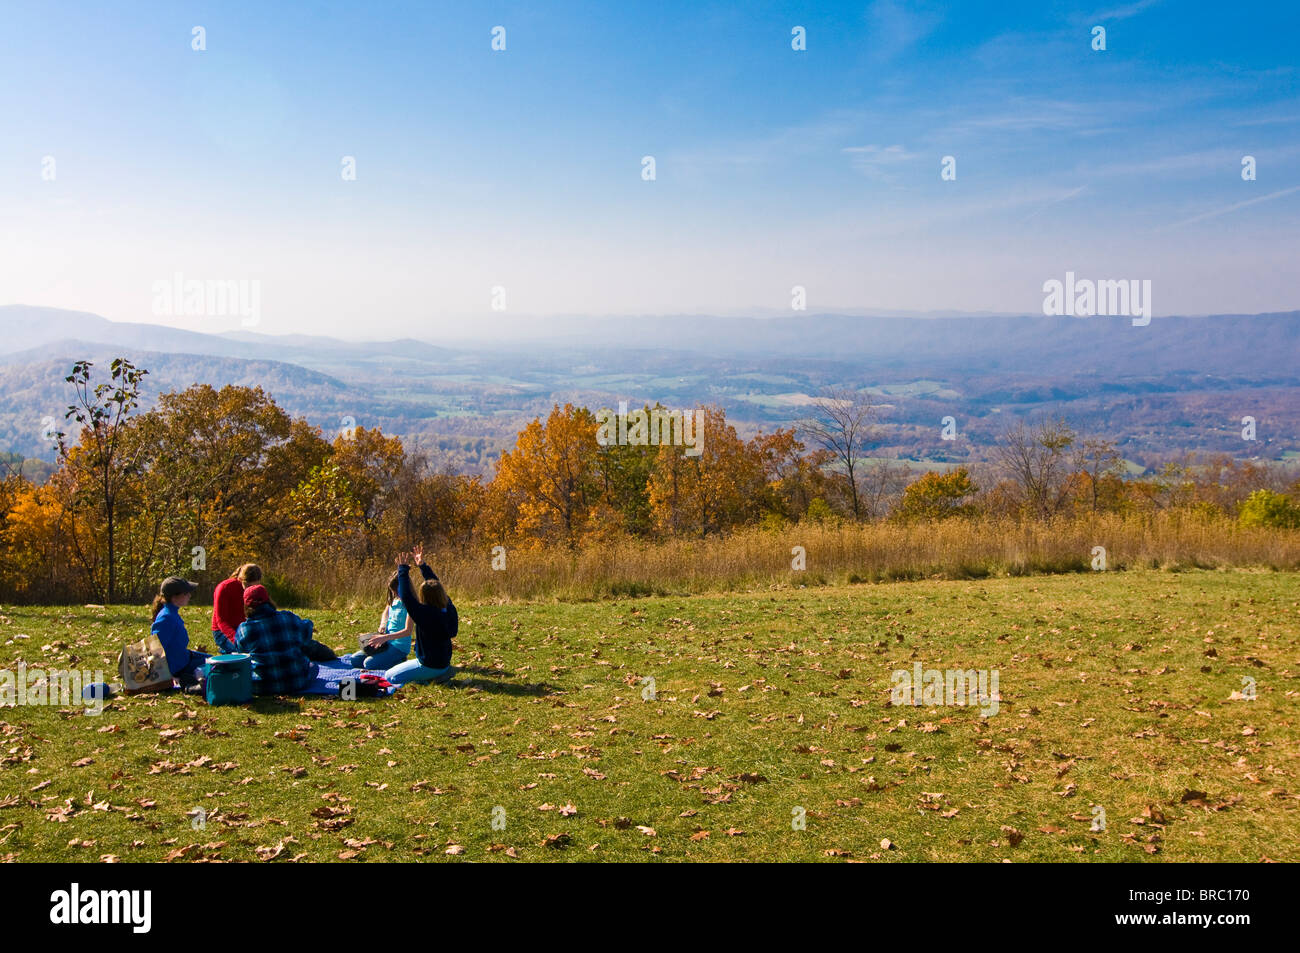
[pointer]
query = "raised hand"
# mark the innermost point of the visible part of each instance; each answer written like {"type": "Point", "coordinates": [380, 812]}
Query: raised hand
{"type": "Point", "coordinates": [418, 554]}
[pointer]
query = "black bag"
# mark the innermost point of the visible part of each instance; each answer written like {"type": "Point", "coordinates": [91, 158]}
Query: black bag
{"type": "Point", "coordinates": [320, 653]}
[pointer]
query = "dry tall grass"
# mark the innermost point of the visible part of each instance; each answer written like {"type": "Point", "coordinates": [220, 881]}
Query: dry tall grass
{"type": "Point", "coordinates": [873, 552]}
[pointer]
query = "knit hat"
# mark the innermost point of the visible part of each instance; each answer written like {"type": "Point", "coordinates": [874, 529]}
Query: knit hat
{"type": "Point", "coordinates": [255, 595]}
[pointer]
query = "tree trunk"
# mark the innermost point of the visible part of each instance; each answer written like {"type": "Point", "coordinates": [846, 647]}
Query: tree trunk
{"type": "Point", "coordinates": [112, 557]}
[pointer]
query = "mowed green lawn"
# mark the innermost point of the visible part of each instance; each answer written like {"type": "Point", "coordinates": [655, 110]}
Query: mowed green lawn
{"type": "Point", "coordinates": [1116, 690]}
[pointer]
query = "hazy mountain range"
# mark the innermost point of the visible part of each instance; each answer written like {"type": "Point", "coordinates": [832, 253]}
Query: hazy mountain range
{"type": "Point", "coordinates": [1179, 384]}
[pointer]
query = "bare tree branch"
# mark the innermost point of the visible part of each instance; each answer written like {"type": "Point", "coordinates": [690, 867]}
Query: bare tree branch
{"type": "Point", "coordinates": [843, 426]}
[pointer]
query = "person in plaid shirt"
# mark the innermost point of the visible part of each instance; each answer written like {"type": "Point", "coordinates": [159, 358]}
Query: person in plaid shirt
{"type": "Point", "coordinates": [277, 640]}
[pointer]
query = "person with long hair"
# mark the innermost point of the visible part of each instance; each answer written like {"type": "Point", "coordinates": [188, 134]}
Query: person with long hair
{"type": "Point", "coordinates": [183, 662]}
{"type": "Point", "coordinates": [436, 623]}
{"type": "Point", "coordinates": [391, 644]}
{"type": "Point", "coordinates": [228, 605]}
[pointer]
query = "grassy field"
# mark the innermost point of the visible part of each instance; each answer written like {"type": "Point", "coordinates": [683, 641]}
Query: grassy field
{"type": "Point", "coordinates": [1116, 689]}
{"type": "Point", "coordinates": [836, 555]}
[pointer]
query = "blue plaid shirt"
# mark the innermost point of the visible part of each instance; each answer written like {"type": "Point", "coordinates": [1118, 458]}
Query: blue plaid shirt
{"type": "Point", "coordinates": [277, 641]}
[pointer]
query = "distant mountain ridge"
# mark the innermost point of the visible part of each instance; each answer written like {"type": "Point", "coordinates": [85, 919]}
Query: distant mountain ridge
{"type": "Point", "coordinates": [1178, 384]}
{"type": "Point", "coordinates": [1262, 344]}
{"type": "Point", "coordinates": [25, 328]}
{"type": "Point", "coordinates": [1216, 344]}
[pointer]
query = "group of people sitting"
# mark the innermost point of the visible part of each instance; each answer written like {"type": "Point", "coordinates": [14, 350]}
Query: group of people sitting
{"type": "Point", "coordinates": [282, 646]}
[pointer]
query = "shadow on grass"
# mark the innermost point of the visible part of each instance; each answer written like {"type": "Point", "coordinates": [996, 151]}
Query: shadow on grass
{"type": "Point", "coordinates": [488, 682]}
{"type": "Point", "coordinates": [493, 672]}
{"type": "Point", "coordinates": [275, 704]}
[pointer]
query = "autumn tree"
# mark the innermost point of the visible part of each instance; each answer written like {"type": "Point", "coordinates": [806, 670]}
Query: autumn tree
{"type": "Point", "coordinates": [373, 466]}
{"type": "Point", "coordinates": [1225, 482]}
{"type": "Point", "coordinates": [794, 476]}
{"type": "Point", "coordinates": [624, 472]}
{"type": "Point", "coordinates": [440, 509]}
{"type": "Point", "coordinates": [1174, 484]}
{"type": "Point", "coordinates": [938, 496]}
{"type": "Point", "coordinates": [1267, 508]}
{"type": "Point", "coordinates": [218, 468]}
{"type": "Point", "coordinates": [35, 551]}
{"type": "Point", "coordinates": [327, 516]}
{"type": "Point", "coordinates": [1102, 466]}
{"type": "Point", "coordinates": [546, 486]}
{"type": "Point", "coordinates": [709, 492]}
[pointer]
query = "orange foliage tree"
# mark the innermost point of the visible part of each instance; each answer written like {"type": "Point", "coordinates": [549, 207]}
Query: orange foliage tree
{"type": "Point", "coordinates": [545, 489]}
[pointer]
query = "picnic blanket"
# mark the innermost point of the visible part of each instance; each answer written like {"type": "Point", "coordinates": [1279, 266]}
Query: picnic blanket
{"type": "Point", "coordinates": [325, 677]}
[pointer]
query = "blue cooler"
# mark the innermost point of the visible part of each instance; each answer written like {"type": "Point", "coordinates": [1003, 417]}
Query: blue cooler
{"type": "Point", "coordinates": [229, 679]}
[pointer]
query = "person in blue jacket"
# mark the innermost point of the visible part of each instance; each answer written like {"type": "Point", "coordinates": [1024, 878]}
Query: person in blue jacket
{"type": "Point", "coordinates": [435, 626]}
{"type": "Point", "coordinates": [184, 663]}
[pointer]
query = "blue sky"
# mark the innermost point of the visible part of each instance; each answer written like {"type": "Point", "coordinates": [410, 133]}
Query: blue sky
{"type": "Point", "coordinates": [522, 168]}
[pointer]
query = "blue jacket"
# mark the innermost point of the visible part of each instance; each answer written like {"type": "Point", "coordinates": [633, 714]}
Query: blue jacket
{"type": "Point", "coordinates": [434, 628]}
{"type": "Point", "coordinates": [170, 629]}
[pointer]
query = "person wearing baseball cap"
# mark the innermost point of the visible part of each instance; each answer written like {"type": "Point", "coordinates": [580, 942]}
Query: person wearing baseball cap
{"type": "Point", "coordinates": [184, 663]}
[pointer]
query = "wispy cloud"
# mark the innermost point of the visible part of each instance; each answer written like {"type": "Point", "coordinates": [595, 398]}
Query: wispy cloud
{"type": "Point", "coordinates": [1125, 12]}
{"type": "Point", "coordinates": [1063, 197]}
{"type": "Point", "coordinates": [1206, 162]}
{"type": "Point", "coordinates": [911, 220]}
{"type": "Point", "coordinates": [1268, 121]}
{"type": "Point", "coordinates": [801, 139]}
{"type": "Point", "coordinates": [1030, 115]}
{"type": "Point", "coordinates": [875, 161]}
{"type": "Point", "coordinates": [1232, 208]}
{"type": "Point", "coordinates": [1200, 162]}
{"type": "Point", "coordinates": [896, 27]}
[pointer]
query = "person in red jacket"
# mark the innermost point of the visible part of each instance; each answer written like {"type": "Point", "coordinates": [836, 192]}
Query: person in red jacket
{"type": "Point", "coordinates": [228, 605]}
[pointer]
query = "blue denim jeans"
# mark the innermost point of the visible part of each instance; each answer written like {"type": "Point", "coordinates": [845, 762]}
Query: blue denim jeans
{"type": "Point", "coordinates": [190, 673]}
{"type": "Point", "coordinates": [415, 671]}
{"type": "Point", "coordinates": [384, 659]}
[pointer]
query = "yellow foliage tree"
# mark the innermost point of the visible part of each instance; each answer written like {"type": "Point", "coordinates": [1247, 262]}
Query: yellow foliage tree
{"type": "Point", "coordinates": [709, 492]}
{"type": "Point", "coordinates": [545, 488]}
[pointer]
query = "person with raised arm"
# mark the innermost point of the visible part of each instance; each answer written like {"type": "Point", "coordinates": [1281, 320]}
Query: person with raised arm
{"type": "Point", "coordinates": [436, 622]}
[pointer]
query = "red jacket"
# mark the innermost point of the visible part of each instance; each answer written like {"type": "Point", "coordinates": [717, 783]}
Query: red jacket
{"type": "Point", "coordinates": [228, 607]}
